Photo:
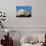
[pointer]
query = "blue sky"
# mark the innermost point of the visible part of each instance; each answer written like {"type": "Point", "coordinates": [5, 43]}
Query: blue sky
{"type": "Point", "coordinates": [28, 8]}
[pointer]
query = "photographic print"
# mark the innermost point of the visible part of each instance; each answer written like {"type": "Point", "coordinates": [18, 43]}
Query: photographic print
{"type": "Point", "coordinates": [23, 11]}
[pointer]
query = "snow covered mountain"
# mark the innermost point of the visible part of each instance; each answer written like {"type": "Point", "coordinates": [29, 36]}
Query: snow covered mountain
{"type": "Point", "coordinates": [23, 13]}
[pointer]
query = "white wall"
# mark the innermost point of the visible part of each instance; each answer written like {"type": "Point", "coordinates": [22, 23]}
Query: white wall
{"type": "Point", "coordinates": [38, 18]}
